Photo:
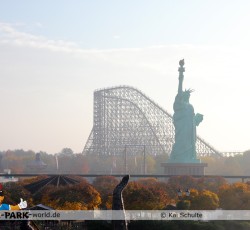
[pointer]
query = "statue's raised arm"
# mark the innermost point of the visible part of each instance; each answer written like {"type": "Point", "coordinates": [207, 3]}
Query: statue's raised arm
{"type": "Point", "coordinates": [181, 76]}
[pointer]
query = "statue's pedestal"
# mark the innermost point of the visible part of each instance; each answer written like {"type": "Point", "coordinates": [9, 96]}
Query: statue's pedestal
{"type": "Point", "coordinates": [195, 169]}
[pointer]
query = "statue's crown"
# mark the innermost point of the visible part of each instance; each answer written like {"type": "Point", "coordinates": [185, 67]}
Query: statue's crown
{"type": "Point", "coordinates": [188, 91]}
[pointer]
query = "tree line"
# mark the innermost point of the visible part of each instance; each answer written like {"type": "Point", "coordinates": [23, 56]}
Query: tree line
{"type": "Point", "coordinates": [208, 193]}
{"type": "Point", "coordinates": [68, 162]}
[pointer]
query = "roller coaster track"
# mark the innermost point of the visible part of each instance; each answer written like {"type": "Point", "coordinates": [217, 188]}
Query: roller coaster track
{"type": "Point", "coordinates": [124, 116]}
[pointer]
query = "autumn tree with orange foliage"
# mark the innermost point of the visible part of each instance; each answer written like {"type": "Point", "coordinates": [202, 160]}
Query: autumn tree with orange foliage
{"type": "Point", "coordinates": [235, 196]}
{"type": "Point", "coordinates": [145, 195]}
{"type": "Point", "coordinates": [82, 196]}
{"type": "Point", "coordinates": [203, 200]}
{"type": "Point", "coordinates": [151, 181]}
{"type": "Point", "coordinates": [212, 183]}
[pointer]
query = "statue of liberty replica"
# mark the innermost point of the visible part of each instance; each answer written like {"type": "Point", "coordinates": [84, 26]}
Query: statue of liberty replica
{"type": "Point", "coordinates": [183, 159]}
{"type": "Point", "coordinates": [185, 122]}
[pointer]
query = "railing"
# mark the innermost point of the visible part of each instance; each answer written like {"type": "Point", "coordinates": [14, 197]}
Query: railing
{"type": "Point", "coordinates": [121, 175]}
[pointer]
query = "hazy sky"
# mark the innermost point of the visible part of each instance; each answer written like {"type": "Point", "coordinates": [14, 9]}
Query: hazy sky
{"type": "Point", "coordinates": [54, 54]}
